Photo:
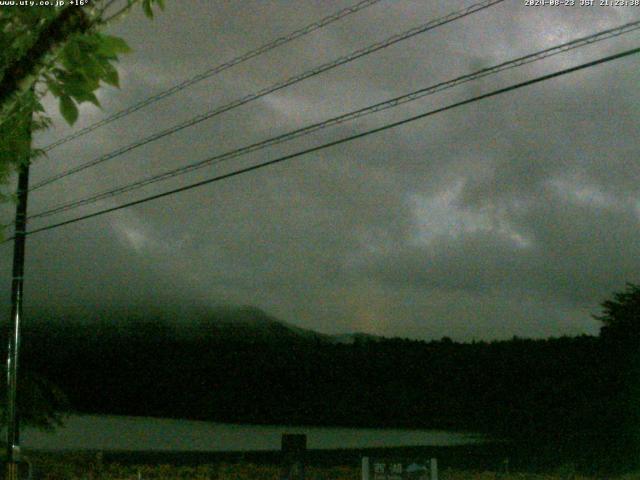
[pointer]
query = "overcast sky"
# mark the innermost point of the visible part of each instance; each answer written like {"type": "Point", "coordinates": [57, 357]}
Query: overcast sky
{"type": "Point", "coordinates": [516, 215]}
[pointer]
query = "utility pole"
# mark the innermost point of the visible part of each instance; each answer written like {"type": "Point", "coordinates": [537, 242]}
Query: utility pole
{"type": "Point", "coordinates": [13, 419]}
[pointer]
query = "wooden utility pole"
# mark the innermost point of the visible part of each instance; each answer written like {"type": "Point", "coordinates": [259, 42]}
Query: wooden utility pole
{"type": "Point", "coordinates": [12, 412]}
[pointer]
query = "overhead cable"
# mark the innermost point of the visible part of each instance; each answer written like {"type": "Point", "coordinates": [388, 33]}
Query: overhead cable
{"type": "Point", "coordinates": [339, 141]}
{"type": "Point", "coordinates": [378, 107]}
{"type": "Point", "coordinates": [273, 88]}
{"type": "Point", "coordinates": [312, 27]}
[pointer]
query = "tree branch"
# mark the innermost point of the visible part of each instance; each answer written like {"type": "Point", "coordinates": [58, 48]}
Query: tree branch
{"type": "Point", "coordinates": [123, 11]}
{"type": "Point", "coordinates": [20, 76]}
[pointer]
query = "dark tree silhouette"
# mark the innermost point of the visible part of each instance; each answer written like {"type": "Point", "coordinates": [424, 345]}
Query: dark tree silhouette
{"type": "Point", "coordinates": [619, 359]}
{"type": "Point", "coordinates": [621, 316]}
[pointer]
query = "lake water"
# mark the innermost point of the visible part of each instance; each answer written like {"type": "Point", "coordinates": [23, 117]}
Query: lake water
{"type": "Point", "coordinates": [99, 432]}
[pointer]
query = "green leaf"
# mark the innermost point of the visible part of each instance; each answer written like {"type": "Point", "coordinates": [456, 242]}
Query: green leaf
{"type": "Point", "coordinates": [54, 86]}
{"type": "Point", "coordinates": [110, 75]}
{"type": "Point", "coordinates": [38, 107]}
{"type": "Point", "coordinates": [68, 109]}
{"type": "Point", "coordinates": [87, 97]}
{"type": "Point", "coordinates": [146, 7]}
{"type": "Point", "coordinates": [74, 85]}
{"type": "Point", "coordinates": [110, 46]}
{"type": "Point", "coordinates": [91, 69]}
{"type": "Point", "coordinates": [71, 56]}
{"type": "Point", "coordinates": [160, 4]}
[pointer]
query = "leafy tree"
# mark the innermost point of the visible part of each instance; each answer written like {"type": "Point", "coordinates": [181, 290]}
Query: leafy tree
{"type": "Point", "coordinates": [621, 316]}
{"type": "Point", "coordinates": [61, 51]}
{"type": "Point", "coordinates": [57, 50]}
{"type": "Point", "coordinates": [619, 358]}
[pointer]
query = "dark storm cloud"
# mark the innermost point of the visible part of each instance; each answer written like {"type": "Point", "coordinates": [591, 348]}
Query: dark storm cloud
{"type": "Point", "coordinates": [515, 215]}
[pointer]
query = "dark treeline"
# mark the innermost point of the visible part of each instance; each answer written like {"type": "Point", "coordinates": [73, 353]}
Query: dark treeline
{"type": "Point", "coordinates": [576, 391]}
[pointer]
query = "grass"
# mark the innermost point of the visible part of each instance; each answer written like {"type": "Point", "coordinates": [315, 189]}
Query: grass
{"type": "Point", "coordinates": [84, 467]}
{"type": "Point", "coordinates": [78, 466]}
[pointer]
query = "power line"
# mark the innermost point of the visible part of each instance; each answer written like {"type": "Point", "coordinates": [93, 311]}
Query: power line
{"type": "Point", "coordinates": [278, 86]}
{"type": "Point", "coordinates": [342, 140]}
{"type": "Point", "coordinates": [415, 95]}
{"type": "Point", "coordinates": [312, 27]}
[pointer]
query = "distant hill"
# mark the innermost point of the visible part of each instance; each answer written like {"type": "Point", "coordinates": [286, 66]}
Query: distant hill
{"type": "Point", "coordinates": [253, 323]}
{"type": "Point", "coordinates": [221, 323]}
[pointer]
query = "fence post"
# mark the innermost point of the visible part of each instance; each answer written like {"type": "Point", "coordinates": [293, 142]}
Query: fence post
{"type": "Point", "coordinates": [433, 469]}
{"type": "Point", "coordinates": [365, 468]}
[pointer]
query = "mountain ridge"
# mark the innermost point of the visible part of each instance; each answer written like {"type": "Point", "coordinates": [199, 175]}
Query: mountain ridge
{"type": "Point", "coordinates": [228, 322]}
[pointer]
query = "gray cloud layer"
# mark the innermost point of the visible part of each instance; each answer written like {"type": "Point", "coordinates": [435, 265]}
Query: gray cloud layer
{"type": "Point", "coordinates": [515, 215]}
